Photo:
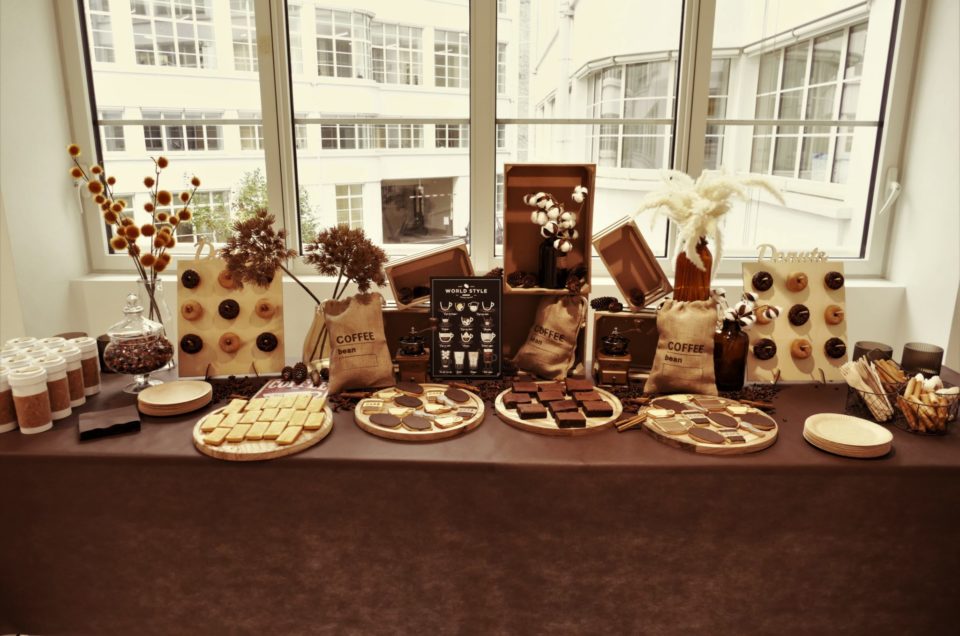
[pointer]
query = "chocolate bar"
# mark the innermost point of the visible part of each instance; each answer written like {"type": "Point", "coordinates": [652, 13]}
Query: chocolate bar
{"type": "Point", "coordinates": [550, 396]}
{"type": "Point", "coordinates": [511, 400]}
{"type": "Point", "coordinates": [531, 411]}
{"type": "Point", "coordinates": [578, 384]}
{"type": "Point", "coordinates": [550, 387]}
{"type": "Point", "coordinates": [571, 419]}
{"type": "Point", "coordinates": [524, 387]}
{"type": "Point", "coordinates": [586, 396]}
{"type": "Point", "coordinates": [561, 406]}
{"type": "Point", "coordinates": [597, 408]}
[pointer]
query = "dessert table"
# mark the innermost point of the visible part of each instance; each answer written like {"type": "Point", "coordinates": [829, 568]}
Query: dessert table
{"type": "Point", "coordinates": [497, 531]}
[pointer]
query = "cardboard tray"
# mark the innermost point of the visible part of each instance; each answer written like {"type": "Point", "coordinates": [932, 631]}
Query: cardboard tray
{"type": "Point", "coordinates": [448, 260]}
{"type": "Point", "coordinates": [643, 343]}
{"type": "Point", "coordinates": [521, 238]}
{"type": "Point", "coordinates": [631, 263]}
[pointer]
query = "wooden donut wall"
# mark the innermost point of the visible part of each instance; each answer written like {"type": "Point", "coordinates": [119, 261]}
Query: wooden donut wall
{"type": "Point", "coordinates": [212, 360]}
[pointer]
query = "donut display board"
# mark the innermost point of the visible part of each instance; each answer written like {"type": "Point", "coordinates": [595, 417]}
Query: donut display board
{"type": "Point", "coordinates": [709, 425]}
{"type": "Point", "coordinates": [412, 412]}
{"type": "Point", "coordinates": [263, 428]}
{"type": "Point", "coordinates": [548, 420]}
{"type": "Point", "coordinates": [810, 335]}
{"type": "Point", "coordinates": [223, 330]}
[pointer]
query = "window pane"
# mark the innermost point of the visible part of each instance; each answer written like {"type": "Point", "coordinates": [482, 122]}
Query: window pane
{"type": "Point", "coordinates": [196, 135]}
{"type": "Point", "coordinates": [406, 184]}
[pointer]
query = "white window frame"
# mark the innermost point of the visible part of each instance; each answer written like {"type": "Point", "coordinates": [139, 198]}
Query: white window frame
{"type": "Point", "coordinates": [692, 99]}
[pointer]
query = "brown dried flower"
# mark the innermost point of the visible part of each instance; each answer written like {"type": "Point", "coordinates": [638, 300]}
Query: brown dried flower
{"type": "Point", "coordinates": [160, 241]}
{"type": "Point", "coordinates": [148, 229]}
{"type": "Point", "coordinates": [195, 182]}
{"type": "Point", "coordinates": [110, 217]}
{"type": "Point", "coordinates": [74, 150]}
{"type": "Point", "coordinates": [162, 217]}
{"type": "Point", "coordinates": [159, 266]}
{"type": "Point", "coordinates": [126, 220]}
{"type": "Point", "coordinates": [185, 214]}
{"type": "Point", "coordinates": [173, 220]}
{"type": "Point", "coordinates": [96, 169]}
{"type": "Point", "coordinates": [131, 232]}
{"type": "Point", "coordinates": [342, 251]}
{"type": "Point", "coordinates": [118, 242]}
{"type": "Point", "coordinates": [255, 250]}
{"type": "Point", "coordinates": [148, 181]}
{"type": "Point", "coordinates": [117, 207]}
{"type": "Point", "coordinates": [164, 197]}
{"type": "Point", "coordinates": [148, 207]}
{"type": "Point", "coordinates": [76, 173]}
{"type": "Point", "coordinates": [162, 162]}
{"type": "Point", "coordinates": [111, 180]}
{"type": "Point", "coordinates": [184, 196]}
{"type": "Point", "coordinates": [99, 199]}
{"type": "Point", "coordinates": [147, 260]}
{"type": "Point", "coordinates": [95, 187]}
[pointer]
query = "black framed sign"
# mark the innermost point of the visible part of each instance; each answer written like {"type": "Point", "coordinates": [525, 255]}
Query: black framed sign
{"type": "Point", "coordinates": [466, 341]}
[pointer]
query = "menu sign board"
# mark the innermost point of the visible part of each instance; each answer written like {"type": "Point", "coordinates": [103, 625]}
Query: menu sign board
{"type": "Point", "coordinates": [466, 341]}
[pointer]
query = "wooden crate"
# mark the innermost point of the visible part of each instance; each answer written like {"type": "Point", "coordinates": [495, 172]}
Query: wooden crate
{"type": "Point", "coordinates": [521, 238]}
{"type": "Point", "coordinates": [450, 260]}
{"type": "Point", "coordinates": [643, 344]}
{"type": "Point", "coordinates": [631, 263]}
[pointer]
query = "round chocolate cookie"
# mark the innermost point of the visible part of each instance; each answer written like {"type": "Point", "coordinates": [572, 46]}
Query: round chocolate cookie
{"type": "Point", "coordinates": [707, 435]}
{"type": "Point", "coordinates": [835, 348]}
{"type": "Point", "coordinates": [410, 387]}
{"type": "Point", "coordinates": [833, 280]}
{"type": "Point", "coordinates": [191, 343]}
{"type": "Point", "coordinates": [408, 401]}
{"type": "Point", "coordinates": [189, 279]}
{"type": "Point", "coordinates": [762, 281]}
{"type": "Point", "coordinates": [764, 349]}
{"type": "Point", "coordinates": [385, 420]}
{"type": "Point", "coordinates": [456, 395]}
{"type": "Point", "coordinates": [229, 309]}
{"type": "Point", "coordinates": [723, 420]}
{"type": "Point", "coordinates": [266, 342]}
{"type": "Point", "coordinates": [417, 423]}
{"type": "Point", "coordinates": [799, 315]}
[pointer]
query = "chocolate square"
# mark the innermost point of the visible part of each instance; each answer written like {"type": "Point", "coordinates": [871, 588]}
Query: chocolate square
{"type": "Point", "coordinates": [524, 387]}
{"type": "Point", "coordinates": [571, 419]}
{"type": "Point", "coordinates": [550, 396]}
{"type": "Point", "coordinates": [531, 411]}
{"type": "Point", "coordinates": [511, 400]}
{"type": "Point", "coordinates": [560, 406]}
{"type": "Point", "coordinates": [597, 409]}
{"type": "Point", "coordinates": [587, 396]}
{"type": "Point", "coordinates": [551, 387]}
{"type": "Point", "coordinates": [579, 384]}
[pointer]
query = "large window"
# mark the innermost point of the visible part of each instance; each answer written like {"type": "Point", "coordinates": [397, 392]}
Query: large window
{"type": "Point", "coordinates": [451, 55]}
{"type": "Point", "coordinates": [176, 137]}
{"type": "Point", "coordinates": [101, 31]}
{"type": "Point", "coordinates": [112, 136]}
{"type": "Point", "coordinates": [343, 43]}
{"type": "Point", "coordinates": [399, 136]}
{"type": "Point", "coordinates": [452, 136]}
{"type": "Point", "coordinates": [397, 54]}
{"type": "Point", "coordinates": [251, 135]}
{"type": "Point", "coordinates": [244, 35]}
{"type": "Point", "coordinates": [344, 136]}
{"type": "Point", "coordinates": [350, 205]}
{"type": "Point", "coordinates": [173, 33]}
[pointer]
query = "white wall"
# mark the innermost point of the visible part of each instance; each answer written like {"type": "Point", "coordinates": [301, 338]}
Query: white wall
{"type": "Point", "coordinates": [11, 317]}
{"type": "Point", "coordinates": [925, 244]}
{"type": "Point", "coordinates": [41, 212]}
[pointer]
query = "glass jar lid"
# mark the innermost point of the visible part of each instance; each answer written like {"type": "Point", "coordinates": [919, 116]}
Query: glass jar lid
{"type": "Point", "coordinates": [134, 325]}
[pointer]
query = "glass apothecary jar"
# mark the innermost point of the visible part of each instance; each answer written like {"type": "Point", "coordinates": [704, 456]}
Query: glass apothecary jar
{"type": "Point", "coordinates": [137, 347]}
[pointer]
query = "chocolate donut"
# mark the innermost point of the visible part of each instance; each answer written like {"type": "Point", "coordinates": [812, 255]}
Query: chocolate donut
{"type": "Point", "coordinates": [226, 281]}
{"type": "Point", "coordinates": [411, 388]}
{"type": "Point", "coordinates": [797, 282]}
{"type": "Point", "coordinates": [385, 420]}
{"type": "Point", "coordinates": [267, 342]}
{"type": "Point", "coordinates": [762, 281]}
{"type": "Point", "coordinates": [191, 310]}
{"type": "Point", "coordinates": [764, 349]}
{"type": "Point", "coordinates": [229, 309]}
{"type": "Point", "coordinates": [835, 348]}
{"type": "Point", "coordinates": [189, 279]}
{"type": "Point", "coordinates": [801, 349]}
{"type": "Point", "coordinates": [417, 423]}
{"type": "Point", "coordinates": [833, 280]}
{"type": "Point", "coordinates": [408, 401]}
{"type": "Point", "coordinates": [265, 309]}
{"type": "Point", "coordinates": [833, 314]}
{"type": "Point", "coordinates": [230, 342]}
{"type": "Point", "coordinates": [191, 343]}
{"type": "Point", "coordinates": [799, 315]}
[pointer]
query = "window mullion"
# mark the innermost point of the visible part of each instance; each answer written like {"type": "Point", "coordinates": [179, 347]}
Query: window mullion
{"type": "Point", "coordinates": [483, 136]}
{"type": "Point", "coordinates": [694, 85]}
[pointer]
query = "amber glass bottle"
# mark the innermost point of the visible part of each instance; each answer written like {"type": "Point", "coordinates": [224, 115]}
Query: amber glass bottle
{"type": "Point", "coordinates": [689, 281]}
{"type": "Point", "coordinates": [730, 346]}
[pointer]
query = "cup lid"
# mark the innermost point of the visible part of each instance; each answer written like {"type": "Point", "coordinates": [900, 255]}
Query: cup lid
{"type": "Point", "coordinates": [26, 375]}
{"type": "Point", "coordinates": [52, 363]}
{"type": "Point", "coordinates": [68, 352]}
{"type": "Point", "coordinates": [23, 341]}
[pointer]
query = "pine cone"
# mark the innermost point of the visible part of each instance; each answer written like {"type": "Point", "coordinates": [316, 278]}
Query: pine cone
{"type": "Point", "coordinates": [515, 279]}
{"type": "Point", "coordinates": [615, 306]}
{"type": "Point", "coordinates": [496, 272]}
{"type": "Point", "coordinates": [325, 373]}
{"type": "Point", "coordinates": [286, 374]}
{"type": "Point", "coordinates": [529, 280]}
{"type": "Point", "coordinates": [601, 303]}
{"type": "Point", "coordinates": [637, 298]}
{"type": "Point", "coordinates": [300, 373]}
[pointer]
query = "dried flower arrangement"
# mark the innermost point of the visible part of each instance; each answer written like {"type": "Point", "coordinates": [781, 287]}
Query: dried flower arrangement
{"type": "Point", "coordinates": [348, 254]}
{"type": "Point", "coordinates": [255, 250]}
{"type": "Point", "coordinates": [158, 232]}
{"type": "Point", "coordinates": [746, 313]}
{"type": "Point", "coordinates": [555, 221]}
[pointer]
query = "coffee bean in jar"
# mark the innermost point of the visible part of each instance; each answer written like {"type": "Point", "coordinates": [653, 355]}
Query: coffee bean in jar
{"type": "Point", "coordinates": [137, 347]}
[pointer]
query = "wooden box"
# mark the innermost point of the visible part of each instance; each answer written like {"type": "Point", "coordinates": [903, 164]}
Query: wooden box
{"type": "Point", "coordinates": [450, 260]}
{"type": "Point", "coordinates": [631, 263]}
{"type": "Point", "coordinates": [643, 337]}
{"type": "Point", "coordinates": [521, 238]}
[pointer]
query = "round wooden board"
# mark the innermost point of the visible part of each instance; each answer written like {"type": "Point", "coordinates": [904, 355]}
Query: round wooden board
{"type": "Point", "coordinates": [250, 451]}
{"type": "Point", "coordinates": [435, 433]}
{"type": "Point", "coordinates": [548, 426]}
{"type": "Point", "coordinates": [174, 398]}
{"type": "Point", "coordinates": [685, 442]}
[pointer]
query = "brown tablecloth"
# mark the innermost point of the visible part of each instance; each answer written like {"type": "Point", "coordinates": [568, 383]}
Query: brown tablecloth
{"type": "Point", "coordinates": [498, 531]}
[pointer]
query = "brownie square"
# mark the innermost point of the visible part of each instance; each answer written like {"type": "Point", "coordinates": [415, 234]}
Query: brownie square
{"type": "Point", "coordinates": [551, 387]}
{"type": "Point", "coordinates": [560, 406]}
{"type": "Point", "coordinates": [550, 396]}
{"type": "Point", "coordinates": [587, 396]}
{"type": "Point", "coordinates": [579, 384]}
{"type": "Point", "coordinates": [571, 419]}
{"type": "Point", "coordinates": [531, 411]}
{"type": "Point", "coordinates": [597, 409]}
{"type": "Point", "coordinates": [524, 387]}
{"type": "Point", "coordinates": [511, 400]}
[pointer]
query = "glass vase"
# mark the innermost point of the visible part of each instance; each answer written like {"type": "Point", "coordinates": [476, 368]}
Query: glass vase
{"type": "Point", "coordinates": [154, 302]}
{"type": "Point", "coordinates": [549, 273]}
{"type": "Point", "coordinates": [689, 281]}
{"type": "Point", "coordinates": [730, 346]}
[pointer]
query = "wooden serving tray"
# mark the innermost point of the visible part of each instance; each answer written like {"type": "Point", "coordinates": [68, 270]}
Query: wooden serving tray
{"type": "Point", "coordinates": [687, 443]}
{"type": "Point", "coordinates": [435, 433]}
{"type": "Point", "coordinates": [548, 426]}
{"type": "Point", "coordinates": [250, 451]}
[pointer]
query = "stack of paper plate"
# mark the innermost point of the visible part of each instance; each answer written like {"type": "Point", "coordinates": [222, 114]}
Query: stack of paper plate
{"type": "Point", "coordinates": [847, 436]}
{"type": "Point", "coordinates": [174, 398]}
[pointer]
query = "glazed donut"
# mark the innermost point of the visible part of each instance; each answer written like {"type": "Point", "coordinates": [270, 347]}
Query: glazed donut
{"type": "Point", "coordinates": [797, 282]}
{"type": "Point", "coordinates": [191, 343]}
{"type": "Point", "coordinates": [266, 342]}
{"type": "Point", "coordinates": [764, 349]}
{"type": "Point", "coordinates": [833, 314]}
{"type": "Point", "coordinates": [265, 309]}
{"type": "Point", "coordinates": [189, 279]}
{"type": "Point", "coordinates": [799, 315]}
{"type": "Point", "coordinates": [762, 281]}
{"type": "Point", "coordinates": [229, 309]}
{"type": "Point", "coordinates": [230, 342]}
{"type": "Point", "coordinates": [835, 348]}
{"type": "Point", "coordinates": [801, 349]}
{"type": "Point", "coordinates": [833, 280]}
{"type": "Point", "coordinates": [225, 278]}
{"type": "Point", "coordinates": [191, 310]}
